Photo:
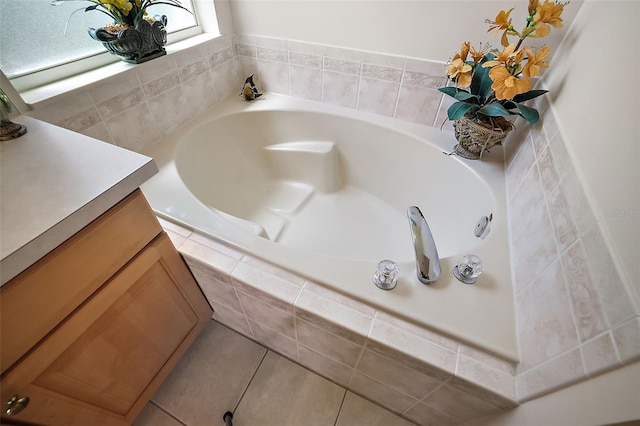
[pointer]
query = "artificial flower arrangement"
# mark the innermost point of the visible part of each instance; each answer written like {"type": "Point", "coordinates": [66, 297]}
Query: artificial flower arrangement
{"type": "Point", "coordinates": [124, 13]}
{"type": "Point", "coordinates": [133, 35]}
{"type": "Point", "coordinates": [494, 83]}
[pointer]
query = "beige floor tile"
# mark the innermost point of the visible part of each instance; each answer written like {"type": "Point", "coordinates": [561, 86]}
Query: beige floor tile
{"type": "Point", "coordinates": [357, 411]}
{"type": "Point", "coordinates": [284, 394]}
{"type": "Point", "coordinates": [154, 416]}
{"type": "Point", "coordinates": [211, 377]}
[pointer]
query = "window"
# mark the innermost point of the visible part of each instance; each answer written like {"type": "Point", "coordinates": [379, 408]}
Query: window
{"type": "Point", "coordinates": [41, 43]}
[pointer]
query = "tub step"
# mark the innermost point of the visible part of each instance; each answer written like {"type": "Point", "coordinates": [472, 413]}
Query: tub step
{"type": "Point", "coordinates": [311, 162]}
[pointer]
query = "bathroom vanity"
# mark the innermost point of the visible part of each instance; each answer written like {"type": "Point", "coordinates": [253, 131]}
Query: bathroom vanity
{"type": "Point", "coordinates": [91, 327]}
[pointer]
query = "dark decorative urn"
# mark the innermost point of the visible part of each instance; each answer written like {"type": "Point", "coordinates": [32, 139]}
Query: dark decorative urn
{"type": "Point", "coordinates": [135, 45]}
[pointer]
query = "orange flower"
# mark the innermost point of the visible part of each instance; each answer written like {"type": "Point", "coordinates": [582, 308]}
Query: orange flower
{"type": "Point", "coordinates": [502, 22]}
{"type": "Point", "coordinates": [460, 72]}
{"type": "Point", "coordinates": [505, 85]}
{"type": "Point", "coordinates": [464, 51]}
{"type": "Point", "coordinates": [506, 57]}
{"type": "Point", "coordinates": [548, 13]}
{"type": "Point", "coordinates": [533, 5]}
{"type": "Point", "coordinates": [535, 62]}
{"type": "Point", "coordinates": [477, 55]}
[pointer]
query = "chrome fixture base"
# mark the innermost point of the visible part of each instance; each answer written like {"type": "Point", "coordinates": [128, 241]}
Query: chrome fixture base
{"type": "Point", "coordinates": [11, 130]}
{"type": "Point", "coordinates": [386, 277]}
{"type": "Point", "coordinates": [469, 268]}
{"type": "Point", "coordinates": [463, 278]}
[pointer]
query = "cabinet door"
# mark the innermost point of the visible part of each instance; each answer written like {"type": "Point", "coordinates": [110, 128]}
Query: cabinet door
{"type": "Point", "coordinates": [104, 362]}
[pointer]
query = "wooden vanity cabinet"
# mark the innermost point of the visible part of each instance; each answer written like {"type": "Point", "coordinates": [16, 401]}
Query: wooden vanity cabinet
{"type": "Point", "coordinates": [90, 331]}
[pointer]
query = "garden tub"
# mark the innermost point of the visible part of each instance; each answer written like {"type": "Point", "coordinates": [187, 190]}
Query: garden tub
{"type": "Point", "coordinates": [323, 192]}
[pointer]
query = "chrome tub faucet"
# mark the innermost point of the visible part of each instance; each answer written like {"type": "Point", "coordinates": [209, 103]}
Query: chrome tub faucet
{"type": "Point", "coordinates": [427, 260]}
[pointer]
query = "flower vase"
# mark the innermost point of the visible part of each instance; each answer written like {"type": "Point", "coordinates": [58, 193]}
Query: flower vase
{"type": "Point", "coordinates": [135, 45]}
{"type": "Point", "coordinates": [475, 136]}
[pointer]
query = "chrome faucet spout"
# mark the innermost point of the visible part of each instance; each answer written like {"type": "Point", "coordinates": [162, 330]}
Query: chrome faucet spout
{"type": "Point", "coordinates": [427, 260]}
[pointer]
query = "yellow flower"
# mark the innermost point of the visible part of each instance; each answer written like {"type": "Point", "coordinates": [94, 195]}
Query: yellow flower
{"type": "Point", "coordinates": [506, 57]}
{"type": "Point", "coordinates": [464, 51]}
{"type": "Point", "coordinates": [460, 72]}
{"type": "Point", "coordinates": [505, 85]}
{"type": "Point", "coordinates": [548, 13]}
{"type": "Point", "coordinates": [535, 62]}
{"type": "Point", "coordinates": [533, 5]}
{"type": "Point", "coordinates": [477, 55]}
{"type": "Point", "coordinates": [502, 22]}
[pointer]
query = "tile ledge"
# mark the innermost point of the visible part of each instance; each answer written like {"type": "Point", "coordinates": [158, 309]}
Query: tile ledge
{"type": "Point", "coordinates": [57, 90]}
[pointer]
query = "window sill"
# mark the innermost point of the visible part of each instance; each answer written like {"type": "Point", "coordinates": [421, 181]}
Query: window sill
{"type": "Point", "coordinates": [42, 95]}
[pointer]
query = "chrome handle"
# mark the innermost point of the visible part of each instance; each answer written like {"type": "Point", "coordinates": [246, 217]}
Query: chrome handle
{"type": "Point", "coordinates": [15, 404]}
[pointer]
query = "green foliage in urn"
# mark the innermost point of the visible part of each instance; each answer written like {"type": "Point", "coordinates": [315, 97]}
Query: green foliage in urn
{"type": "Point", "coordinates": [124, 13]}
{"type": "Point", "coordinates": [495, 83]}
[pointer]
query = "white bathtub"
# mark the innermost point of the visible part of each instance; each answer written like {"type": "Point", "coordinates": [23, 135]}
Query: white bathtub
{"type": "Point", "coordinates": [323, 192]}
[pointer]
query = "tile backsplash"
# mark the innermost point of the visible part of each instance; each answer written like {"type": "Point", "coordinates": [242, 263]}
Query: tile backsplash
{"type": "Point", "coordinates": [574, 315]}
{"type": "Point", "coordinates": [135, 108]}
{"type": "Point", "coordinates": [394, 86]}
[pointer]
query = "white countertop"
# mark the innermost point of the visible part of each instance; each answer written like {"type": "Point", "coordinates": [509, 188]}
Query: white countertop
{"type": "Point", "coordinates": [54, 182]}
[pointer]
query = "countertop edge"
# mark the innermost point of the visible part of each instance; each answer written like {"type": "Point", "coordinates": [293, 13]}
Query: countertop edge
{"type": "Point", "coordinates": [30, 253]}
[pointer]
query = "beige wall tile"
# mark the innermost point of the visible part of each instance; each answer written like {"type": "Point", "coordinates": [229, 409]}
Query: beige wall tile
{"type": "Point", "coordinates": [275, 341]}
{"type": "Point", "coordinates": [215, 245]}
{"type": "Point", "coordinates": [268, 315]}
{"type": "Point", "coordinates": [396, 375]}
{"type": "Point", "coordinates": [559, 372]}
{"type": "Point", "coordinates": [264, 286]}
{"type": "Point", "coordinates": [231, 319]}
{"type": "Point", "coordinates": [333, 316]}
{"type": "Point", "coordinates": [587, 309]}
{"type": "Point", "coordinates": [418, 104]}
{"type": "Point", "coordinates": [274, 270]}
{"type": "Point", "coordinates": [600, 355]}
{"type": "Point", "coordinates": [460, 404]}
{"type": "Point", "coordinates": [326, 367]}
{"type": "Point", "coordinates": [328, 344]}
{"type": "Point", "coordinates": [213, 259]}
{"type": "Point", "coordinates": [330, 294]}
{"type": "Point", "coordinates": [627, 338]}
{"type": "Point", "coordinates": [429, 416]}
{"type": "Point", "coordinates": [377, 96]}
{"type": "Point", "coordinates": [493, 386]}
{"type": "Point", "coordinates": [615, 298]}
{"type": "Point", "coordinates": [213, 288]}
{"type": "Point", "coordinates": [411, 350]}
{"type": "Point", "coordinates": [543, 318]}
{"type": "Point", "coordinates": [378, 392]}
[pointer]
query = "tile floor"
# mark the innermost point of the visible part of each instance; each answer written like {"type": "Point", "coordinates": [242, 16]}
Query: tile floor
{"type": "Point", "coordinates": [224, 371]}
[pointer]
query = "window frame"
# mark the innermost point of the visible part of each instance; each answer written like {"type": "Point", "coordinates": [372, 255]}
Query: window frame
{"type": "Point", "coordinates": [206, 23]}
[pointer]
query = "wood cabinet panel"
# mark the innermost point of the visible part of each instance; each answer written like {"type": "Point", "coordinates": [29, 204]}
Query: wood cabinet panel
{"type": "Point", "coordinates": [42, 296]}
{"type": "Point", "coordinates": [103, 363]}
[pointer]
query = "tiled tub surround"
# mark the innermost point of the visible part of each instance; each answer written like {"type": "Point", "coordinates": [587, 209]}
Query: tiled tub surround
{"type": "Point", "coordinates": [139, 105]}
{"type": "Point", "coordinates": [575, 317]}
{"type": "Point", "coordinates": [389, 85]}
{"type": "Point", "coordinates": [426, 377]}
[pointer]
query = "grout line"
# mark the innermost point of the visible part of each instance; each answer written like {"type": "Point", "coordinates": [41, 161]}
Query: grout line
{"type": "Point", "coordinates": [167, 413]}
{"type": "Point", "coordinates": [250, 381]}
{"type": "Point", "coordinates": [344, 396]}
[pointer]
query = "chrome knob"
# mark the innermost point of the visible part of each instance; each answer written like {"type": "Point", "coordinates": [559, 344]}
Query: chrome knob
{"type": "Point", "coordinates": [15, 404]}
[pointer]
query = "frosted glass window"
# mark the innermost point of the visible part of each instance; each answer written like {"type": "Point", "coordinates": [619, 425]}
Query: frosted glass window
{"type": "Point", "coordinates": [33, 36]}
